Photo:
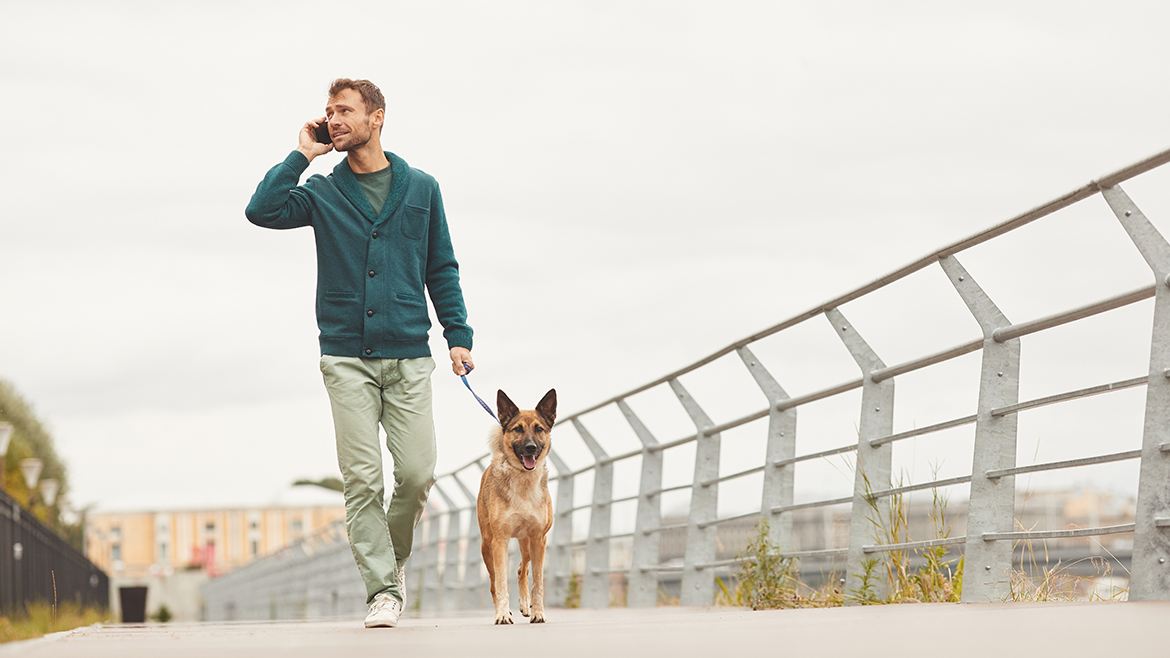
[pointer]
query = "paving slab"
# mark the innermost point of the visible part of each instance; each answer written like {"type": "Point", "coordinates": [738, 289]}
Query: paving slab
{"type": "Point", "coordinates": [1134, 630]}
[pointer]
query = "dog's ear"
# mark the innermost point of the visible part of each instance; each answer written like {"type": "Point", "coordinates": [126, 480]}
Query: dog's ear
{"type": "Point", "coordinates": [506, 409]}
{"type": "Point", "coordinates": [548, 406]}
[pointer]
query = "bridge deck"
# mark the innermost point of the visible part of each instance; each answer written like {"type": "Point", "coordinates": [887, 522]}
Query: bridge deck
{"type": "Point", "coordinates": [951, 630]}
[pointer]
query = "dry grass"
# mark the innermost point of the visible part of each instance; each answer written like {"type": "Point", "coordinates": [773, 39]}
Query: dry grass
{"type": "Point", "coordinates": [42, 619]}
{"type": "Point", "coordinates": [1059, 583]}
{"type": "Point", "coordinates": [767, 581]}
{"type": "Point", "coordinates": [938, 580]}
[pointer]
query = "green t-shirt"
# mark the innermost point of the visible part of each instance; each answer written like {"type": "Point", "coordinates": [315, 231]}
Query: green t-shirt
{"type": "Point", "coordinates": [376, 186]}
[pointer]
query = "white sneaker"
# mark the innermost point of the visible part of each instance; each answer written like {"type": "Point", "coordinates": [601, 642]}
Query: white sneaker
{"type": "Point", "coordinates": [402, 585]}
{"type": "Point", "coordinates": [384, 611]}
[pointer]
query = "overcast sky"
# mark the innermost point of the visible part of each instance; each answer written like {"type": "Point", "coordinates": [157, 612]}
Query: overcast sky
{"type": "Point", "coordinates": [630, 186]}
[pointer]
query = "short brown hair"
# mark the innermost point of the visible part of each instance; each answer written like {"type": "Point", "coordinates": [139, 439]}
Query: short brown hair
{"type": "Point", "coordinates": [369, 91]}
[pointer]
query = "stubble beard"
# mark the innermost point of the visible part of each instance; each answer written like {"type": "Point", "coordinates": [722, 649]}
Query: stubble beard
{"type": "Point", "coordinates": [357, 145]}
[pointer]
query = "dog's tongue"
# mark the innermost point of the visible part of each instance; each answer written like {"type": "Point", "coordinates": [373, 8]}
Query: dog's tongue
{"type": "Point", "coordinates": [529, 462]}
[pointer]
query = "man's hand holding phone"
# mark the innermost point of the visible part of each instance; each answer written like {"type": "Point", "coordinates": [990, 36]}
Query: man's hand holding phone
{"type": "Point", "coordinates": [311, 136]}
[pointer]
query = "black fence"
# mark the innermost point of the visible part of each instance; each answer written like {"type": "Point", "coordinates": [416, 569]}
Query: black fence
{"type": "Point", "coordinates": [32, 557]}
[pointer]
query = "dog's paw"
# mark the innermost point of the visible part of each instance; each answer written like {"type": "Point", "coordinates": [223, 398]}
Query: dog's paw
{"type": "Point", "coordinates": [537, 618]}
{"type": "Point", "coordinates": [504, 619]}
{"type": "Point", "coordinates": [524, 608]}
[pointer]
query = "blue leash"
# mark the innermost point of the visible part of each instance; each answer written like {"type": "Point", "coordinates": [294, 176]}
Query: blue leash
{"type": "Point", "coordinates": [477, 398]}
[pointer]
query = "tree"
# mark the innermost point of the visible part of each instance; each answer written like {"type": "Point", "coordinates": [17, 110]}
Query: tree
{"type": "Point", "coordinates": [31, 439]}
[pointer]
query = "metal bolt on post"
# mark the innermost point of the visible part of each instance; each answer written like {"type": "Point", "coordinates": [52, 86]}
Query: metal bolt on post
{"type": "Point", "coordinates": [432, 587]}
{"type": "Point", "coordinates": [413, 569]}
{"type": "Point", "coordinates": [872, 470]}
{"type": "Point", "coordinates": [698, 585]}
{"type": "Point", "coordinates": [451, 582]}
{"type": "Point", "coordinates": [475, 594]}
{"type": "Point", "coordinates": [595, 582]}
{"type": "Point", "coordinates": [992, 506]}
{"type": "Point", "coordinates": [559, 560]}
{"type": "Point", "coordinates": [643, 585]}
{"type": "Point", "coordinates": [778, 488]}
{"type": "Point", "coordinates": [1149, 580]}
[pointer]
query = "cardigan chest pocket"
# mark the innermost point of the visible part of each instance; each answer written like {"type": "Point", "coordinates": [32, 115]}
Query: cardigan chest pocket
{"type": "Point", "coordinates": [414, 221]}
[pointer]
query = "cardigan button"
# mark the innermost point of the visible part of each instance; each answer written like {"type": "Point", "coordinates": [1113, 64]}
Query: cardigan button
{"type": "Point", "coordinates": [369, 314]}
{"type": "Point", "coordinates": [371, 273]}
{"type": "Point", "coordinates": [375, 234]}
{"type": "Point", "coordinates": [369, 351]}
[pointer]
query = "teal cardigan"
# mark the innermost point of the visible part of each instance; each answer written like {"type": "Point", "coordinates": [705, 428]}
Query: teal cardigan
{"type": "Point", "coordinates": [371, 269]}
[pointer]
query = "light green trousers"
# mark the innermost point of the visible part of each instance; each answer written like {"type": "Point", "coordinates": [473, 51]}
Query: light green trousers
{"type": "Point", "coordinates": [397, 394]}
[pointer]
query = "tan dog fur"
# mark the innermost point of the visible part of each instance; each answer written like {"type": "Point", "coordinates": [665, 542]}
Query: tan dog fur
{"type": "Point", "coordinates": [514, 502]}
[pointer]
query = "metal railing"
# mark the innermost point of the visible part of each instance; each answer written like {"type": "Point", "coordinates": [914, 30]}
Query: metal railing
{"type": "Point", "coordinates": [37, 566]}
{"type": "Point", "coordinates": [312, 578]}
{"type": "Point", "coordinates": [446, 570]}
{"type": "Point", "coordinates": [457, 580]}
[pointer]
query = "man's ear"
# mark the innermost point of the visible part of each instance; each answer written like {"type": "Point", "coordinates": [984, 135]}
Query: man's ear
{"type": "Point", "coordinates": [548, 406]}
{"type": "Point", "coordinates": [505, 408]}
{"type": "Point", "coordinates": [378, 118]}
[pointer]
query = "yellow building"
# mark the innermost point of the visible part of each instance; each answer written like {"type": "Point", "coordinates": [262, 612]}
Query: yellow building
{"type": "Point", "coordinates": [172, 552]}
{"type": "Point", "coordinates": [133, 544]}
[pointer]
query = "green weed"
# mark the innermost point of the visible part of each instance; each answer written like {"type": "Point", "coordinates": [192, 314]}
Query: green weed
{"type": "Point", "coordinates": [573, 595]}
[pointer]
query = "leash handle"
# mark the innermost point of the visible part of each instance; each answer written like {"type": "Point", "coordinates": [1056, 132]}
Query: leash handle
{"type": "Point", "coordinates": [478, 399]}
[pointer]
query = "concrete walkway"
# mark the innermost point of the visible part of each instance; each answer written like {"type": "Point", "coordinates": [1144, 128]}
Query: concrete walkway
{"type": "Point", "coordinates": [1133, 630]}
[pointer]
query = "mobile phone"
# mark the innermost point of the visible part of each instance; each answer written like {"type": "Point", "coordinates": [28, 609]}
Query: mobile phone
{"type": "Point", "coordinates": [322, 133]}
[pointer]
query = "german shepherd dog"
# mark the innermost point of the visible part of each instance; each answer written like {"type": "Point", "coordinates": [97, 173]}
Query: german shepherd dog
{"type": "Point", "coordinates": [514, 502]}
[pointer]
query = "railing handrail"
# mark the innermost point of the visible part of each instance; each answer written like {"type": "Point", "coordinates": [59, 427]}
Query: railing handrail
{"type": "Point", "coordinates": [1085, 191]}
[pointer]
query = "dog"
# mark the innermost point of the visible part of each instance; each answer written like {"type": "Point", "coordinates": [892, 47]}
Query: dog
{"type": "Point", "coordinates": [514, 502]}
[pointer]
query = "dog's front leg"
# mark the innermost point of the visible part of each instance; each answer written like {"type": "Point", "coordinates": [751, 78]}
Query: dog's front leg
{"type": "Point", "coordinates": [537, 605]}
{"type": "Point", "coordinates": [499, 550]}
{"type": "Point", "coordinates": [522, 576]}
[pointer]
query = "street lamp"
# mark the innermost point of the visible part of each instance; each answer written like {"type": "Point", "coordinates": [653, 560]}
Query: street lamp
{"type": "Point", "coordinates": [5, 438]}
{"type": "Point", "coordinates": [49, 489]}
{"type": "Point", "coordinates": [31, 469]}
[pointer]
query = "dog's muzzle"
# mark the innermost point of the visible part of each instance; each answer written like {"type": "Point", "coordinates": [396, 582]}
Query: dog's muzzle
{"type": "Point", "coordinates": [527, 452]}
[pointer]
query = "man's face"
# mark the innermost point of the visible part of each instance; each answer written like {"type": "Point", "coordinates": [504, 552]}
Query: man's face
{"type": "Point", "coordinates": [350, 126]}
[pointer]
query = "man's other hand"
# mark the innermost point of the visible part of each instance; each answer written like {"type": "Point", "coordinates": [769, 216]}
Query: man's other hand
{"type": "Point", "coordinates": [459, 356]}
{"type": "Point", "coordinates": [308, 144]}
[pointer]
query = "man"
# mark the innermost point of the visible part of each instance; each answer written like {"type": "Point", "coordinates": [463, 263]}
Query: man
{"type": "Point", "coordinates": [381, 237]}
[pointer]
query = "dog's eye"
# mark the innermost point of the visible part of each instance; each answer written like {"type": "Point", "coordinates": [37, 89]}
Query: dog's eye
{"type": "Point", "coordinates": [537, 428]}
{"type": "Point", "coordinates": [518, 428]}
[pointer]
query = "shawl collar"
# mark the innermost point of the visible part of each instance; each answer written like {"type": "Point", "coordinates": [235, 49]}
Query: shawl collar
{"type": "Point", "coordinates": [399, 177]}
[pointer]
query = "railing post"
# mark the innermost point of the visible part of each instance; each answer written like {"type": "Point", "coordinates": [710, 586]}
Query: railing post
{"type": "Point", "coordinates": [432, 587]}
{"type": "Point", "coordinates": [992, 502]}
{"type": "Point", "coordinates": [642, 587]}
{"type": "Point", "coordinates": [451, 584]}
{"type": "Point", "coordinates": [778, 480]}
{"type": "Point", "coordinates": [1150, 573]}
{"type": "Point", "coordinates": [872, 471]}
{"type": "Point", "coordinates": [415, 566]}
{"type": "Point", "coordinates": [698, 588]}
{"type": "Point", "coordinates": [474, 586]}
{"type": "Point", "coordinates": [595, 582]}
{"type": "Point", "coordinates": [559, 561]}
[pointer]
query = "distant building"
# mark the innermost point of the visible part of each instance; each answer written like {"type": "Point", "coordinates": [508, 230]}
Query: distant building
{"type": "Point", "coordinates": [173, 552]}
